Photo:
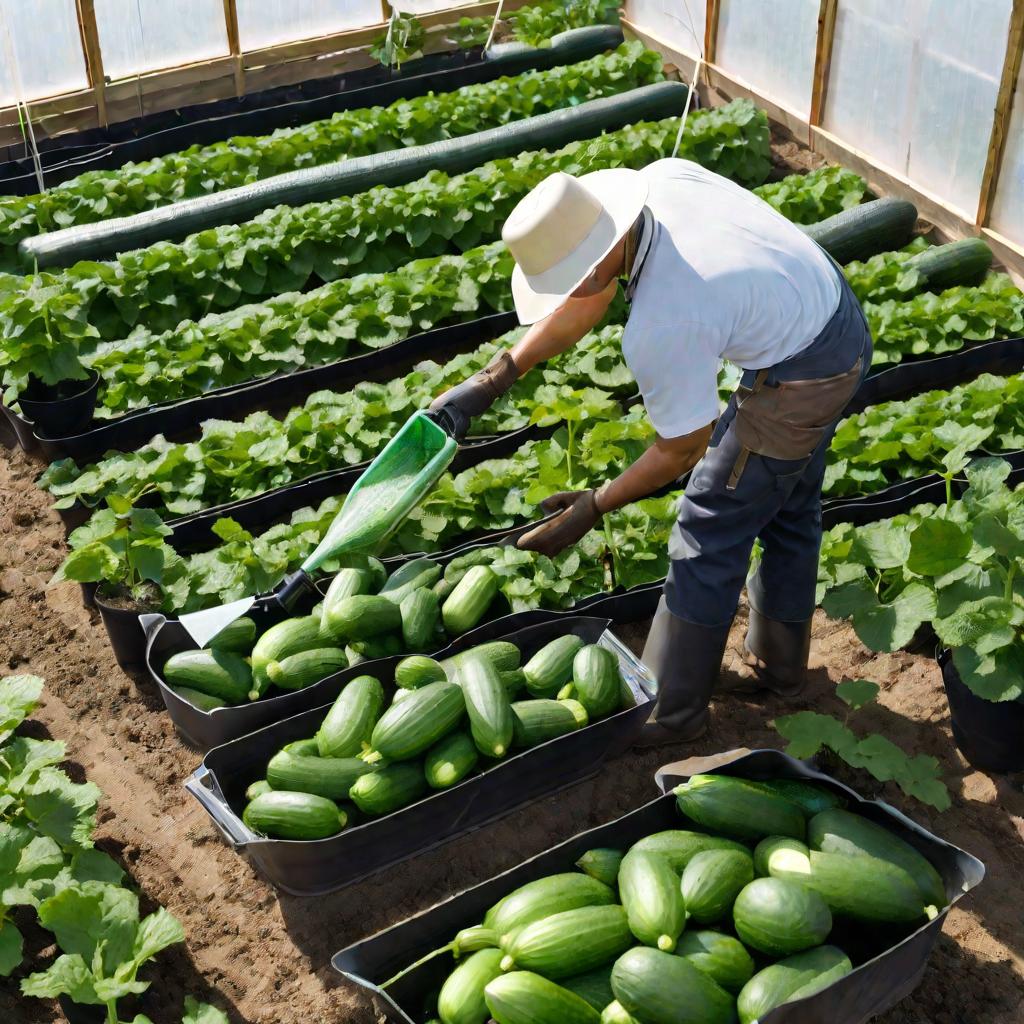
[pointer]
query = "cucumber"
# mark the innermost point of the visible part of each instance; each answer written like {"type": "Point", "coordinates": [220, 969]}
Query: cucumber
{"type": "Point", "coordinates": [215, 673]}
{"type": "Point", "coordinates": [347, 583]}
{"type": "Point", "coordinates": [804, 973]}
{"type": "Point", "coordinates": [450, 760]}
{"type": "Point", "coordinates": [389, 788]}
{"type": "Point", "coordinates": [303, 748]}
{"type": "Point", "coordinates": [330, 777]}
{"type": "Point", "coordinates": [418, 670]}
{"type": "Point", "coordinates": [467, 604]}
{"type": "Point", "coordinates": [680, 846]}
{"type": "Point", "coordinates": [258, 788]}
{"type": "Point", "coordinates": [811, 799]}
{"type": "Point", "coordinates": [292, 636]}
{"type": "Point", "coordinates": [650, 893]}
{"type": "Point", "coordinates": [375, 647]}
{"type": "Point", "coordinates": [854, 885]}
{"type": "Point", "coordinates": [421, 614]}
{"type": "Point", "coordinates": [283, 815]}
{"type": "Point", "coordinates": [526, 998]}
{"type": "Point", "coordinates": [461, 1000]}
{"type": "Point", "coordinates": [423, 574]}
{"type": "Point", "coordinates": [778, 916]}
{"type": "Point", "coordinates": [198, 699]}
{"type": "Point", "coordinates": [862, 231]}
{"type": "Point", "coordinates": [551, 667]}
{"type": "Point", "coordinates": [601, 863]}
{"type": "Point", "coordinates": [594, 987]}
{"type": "Point", "coordinates": [514, 681]}
{"type": "Point", "coordinates": [487, 704]}
{"type": "Point", "coordinates": [771, 848]}
{"type": "Point", "coordinates": [722, 957]}
{"type": "Point", "coordinates": [408, 729]}
{"type": "Point", "coordinates": [349, 724]}
{"type": "Point", "coordinates": [964, 262]}
{"type": "Point", "coordinates": [712, 881]}
{"type": "Point", "coordinates": [537, 721]}
{"type": "Point", "coordinates": [615, 1013]}
{"type": "Point", "coordinates": [596, 682]}
{"type": "Point", "coordinates": [659, 988]}
{"type": "Point", "coordinates": [544, 897]}
{"type": "Point", "coordinates": [298, 671]}
{"type": "Point", "coordinates": [469, 940]}
{"type": "Point", "coordinates": [503, 653]}
{"type": "Point", "coordinates": [360, 617]}
{"type": "Point", "coordinates": [568, 943]}
{"type": "Point", "coordinates": [237, 637]}
{"type": "Point", "coordinates": [838, 831]}
{"type": "Point", "coordinates": [736, 808]}
{"type": "Point", "coordinates": [442, 588]}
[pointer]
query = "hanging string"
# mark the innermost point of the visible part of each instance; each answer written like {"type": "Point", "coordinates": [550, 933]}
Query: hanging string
{"type": "Point", "coordinates": [697, 64]}
{"type": "Point", "coordinates": [24, 112]}
{"type": "Point", "coordinates": [494, 26]}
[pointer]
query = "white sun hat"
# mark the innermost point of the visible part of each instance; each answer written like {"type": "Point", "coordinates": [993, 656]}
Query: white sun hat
{"type": "Point", "coordinates": [562, 229]}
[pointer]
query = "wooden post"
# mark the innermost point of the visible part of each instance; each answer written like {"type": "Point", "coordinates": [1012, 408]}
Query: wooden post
{"type": "Point", "coordinates": [711, 32]}
{"type": "Point", "coordinates": [1003, 111]}
{"type": "Point", "coordinates": [822, 58]}
{"type": "Point", "coordinates": [90, 36]}
{"type": "Point", "coordinates": [385, 9]}
{"type": "Point", "coordinates": [234, 45]}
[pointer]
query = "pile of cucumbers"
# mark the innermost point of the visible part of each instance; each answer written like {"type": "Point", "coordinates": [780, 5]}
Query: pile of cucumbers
{"type": "Point", "coordinates": [446, 720]}
{"type": "Point", "coordinates": [366, 614]}
{"type": "Point", "coordinates": [688, 926]}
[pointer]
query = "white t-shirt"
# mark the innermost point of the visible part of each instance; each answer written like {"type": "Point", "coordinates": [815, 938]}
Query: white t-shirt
{"type": "Point", "coordinates": [725, 277]}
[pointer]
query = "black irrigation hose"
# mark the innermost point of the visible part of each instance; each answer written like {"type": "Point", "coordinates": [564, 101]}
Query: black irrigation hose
{"type": "Point", "coordinates": [329, 181]}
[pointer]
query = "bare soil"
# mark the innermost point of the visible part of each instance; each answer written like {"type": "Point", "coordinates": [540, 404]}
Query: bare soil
{"type": "Point", "coordinates": [265, 958]}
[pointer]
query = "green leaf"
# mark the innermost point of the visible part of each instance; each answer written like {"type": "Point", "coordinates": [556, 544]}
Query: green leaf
{"type": "Point", "coordinates": [66, 976]}
{"type": "Point", "coordinates": [888, 627]}
{"type": "Point", "coordinates": [158, 931]}
{"type": "Point", "coordinates": [937, 546]}
{"type": "Point", "coordinates": [62, 809]}
{"type": "Point", "coordinates": [94, 919]}
{"type": "Point", "coordinates": [984, 625]}
{"type": "Point", "coordinates": [11, 951]}
{"type": "Point", "coordinates": [809, 731]}
{"type": "Point", "coordinates": [18, 698]}
{"type": "Point", "coordinates": [997, 677]}
{"type": "Point", "coordinates": [202, 1013]}
{"type": "Point", "coordinates": [857, 692]}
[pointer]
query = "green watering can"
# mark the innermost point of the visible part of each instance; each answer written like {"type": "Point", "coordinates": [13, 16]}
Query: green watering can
{"type": "Point", "coordinates": [397, 480]}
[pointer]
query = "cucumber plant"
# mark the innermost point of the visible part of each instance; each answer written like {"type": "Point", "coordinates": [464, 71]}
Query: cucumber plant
{"type": "Point", "coordinates": [810, 731]}
{"type": "Point", "coordinates": [49, 864]}
{"type": "Point", "coordinates": [958, 566]}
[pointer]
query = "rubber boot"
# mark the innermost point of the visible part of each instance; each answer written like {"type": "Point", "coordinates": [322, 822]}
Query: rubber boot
{"type": "Point", "coordinates": [776, 655]}
{"type": "Point", "coordinates": [685, 659]}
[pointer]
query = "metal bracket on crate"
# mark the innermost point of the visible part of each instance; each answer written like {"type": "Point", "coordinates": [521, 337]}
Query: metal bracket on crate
{"type": "Point", "coordinates": [203, 785]}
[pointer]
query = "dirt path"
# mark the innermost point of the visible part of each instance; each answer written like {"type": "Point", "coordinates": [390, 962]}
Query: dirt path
{"type": "Point", "coordinates": [265, 958]}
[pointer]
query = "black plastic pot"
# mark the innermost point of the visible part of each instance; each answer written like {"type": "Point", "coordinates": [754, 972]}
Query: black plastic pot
{"type": "Point", "coordinates": [258, 113]}
{"type": "Point", "coordinates": [63, 408]}
{"type": "Point", "coordinates": [125, 632]}
{"type": "Point", "coordinates": [989, 734]}
{"type": "Point", "coordinates": [81, 1013]}
{"type": "Point", "coordinates": [885, 971]}
{"type": "Point", "coordinates": [320, 866]}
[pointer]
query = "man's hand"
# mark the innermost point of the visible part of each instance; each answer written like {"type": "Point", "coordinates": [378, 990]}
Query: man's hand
{"type": "Point", "coordinates": [477, 394]}
{"type": "Point", "coordinates": [580, 514]}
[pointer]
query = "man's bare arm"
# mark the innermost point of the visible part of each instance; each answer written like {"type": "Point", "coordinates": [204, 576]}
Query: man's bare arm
{"type": "Point", "coordinates": [665, 461]}
{"type": "Point", "coordinates": [562, 329]}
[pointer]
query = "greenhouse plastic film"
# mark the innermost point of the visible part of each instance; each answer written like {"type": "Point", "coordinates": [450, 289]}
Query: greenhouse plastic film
{"type": "Point", "coordinates": [319, 866]}
{"type": "Point", "coordinates": [879, 981]}
{"type": "Point", "coordinates": [259, 113]}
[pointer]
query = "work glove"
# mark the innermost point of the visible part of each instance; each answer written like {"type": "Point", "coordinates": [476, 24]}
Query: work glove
{"type": "Point", "coordinates": [458, 405]}
{"type": "Point", "coordinates": [579, 515]}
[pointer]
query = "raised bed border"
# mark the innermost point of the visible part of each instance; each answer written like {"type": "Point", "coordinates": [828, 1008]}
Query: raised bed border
{"type": "Point", "coordinates": [876, 983]}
